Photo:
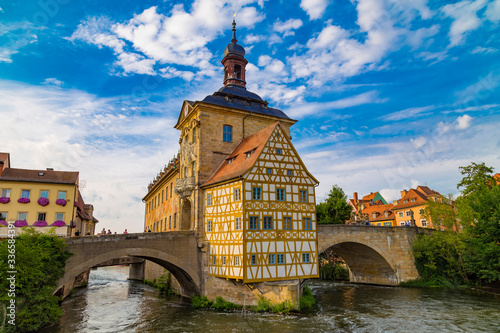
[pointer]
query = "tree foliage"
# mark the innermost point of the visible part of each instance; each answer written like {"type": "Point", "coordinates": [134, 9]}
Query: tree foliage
{"type": "Point", "coordinates": [40, 261]}
{"type": "Point", "coordinates": [473, 254]}
{"type": "Point", "coordinates": [335, 209]}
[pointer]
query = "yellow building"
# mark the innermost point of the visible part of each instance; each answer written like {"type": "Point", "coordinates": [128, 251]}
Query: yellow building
{"type": "Point", "coordinates": [411, 207]}
{"type": "Point", "coordinates": [43, 198]}
{"type": "Point", "coordinates": [239, 182]}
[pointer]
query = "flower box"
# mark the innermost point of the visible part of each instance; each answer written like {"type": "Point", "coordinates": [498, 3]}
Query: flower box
{"type": "Point", "coordinates": [4, 200]}
{"type": "Point", "coordinates": [43, 201]}
{"type": "Point", "coordinates": [61, 202]}
{"type": "Point", "coordinates": [40, 224]}
{"type": "Point", "coordinates": [58, 223]}
{"type": "Point", "coordinates": [23, 200]}
{"type": "Point", "coordinates": [20, 223]}
{"type": "Point", "coordinates": [3, 223]}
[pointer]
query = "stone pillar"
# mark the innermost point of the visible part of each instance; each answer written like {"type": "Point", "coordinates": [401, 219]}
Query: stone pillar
{"type": "Point", "coordinates": [136, 271]}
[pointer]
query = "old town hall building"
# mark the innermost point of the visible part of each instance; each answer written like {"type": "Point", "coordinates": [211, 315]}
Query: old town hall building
{"type": "Point", "coordinates": [239, 182]}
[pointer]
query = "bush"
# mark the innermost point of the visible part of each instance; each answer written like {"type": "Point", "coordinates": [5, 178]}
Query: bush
{"type": "Point", "coordinates": [307, 300]}
{"type": "Point", "coordinates": [201, 302]}
{"type": "Point", "coordinates": [39, 261]}
{"type": "Point", "coordinates": [265, 305]}
{"type": "Point", "coordinates": [334, 272]}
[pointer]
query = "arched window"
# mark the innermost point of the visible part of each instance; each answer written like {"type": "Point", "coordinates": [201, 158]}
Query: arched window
{"type": "Point", "coordinates": [185, 172]}
{"type": "Point", "coordinates": [237, 71]}
{"type": "Point", "coordinates": [192, 169]}
{"type": "Point", "coordinates": [194, 135]}
{"type": "Point", "coordinates": [227, 133]}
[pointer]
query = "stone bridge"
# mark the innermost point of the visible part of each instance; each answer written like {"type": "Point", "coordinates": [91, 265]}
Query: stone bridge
{"type": "Point", "coordinates": [375, 255]}
{"type": "Point", "coordinates": [176, 251]}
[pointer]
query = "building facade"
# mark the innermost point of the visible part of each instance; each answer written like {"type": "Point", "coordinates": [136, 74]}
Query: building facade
{"type": "Point", "coordinates": [410, 209]}
{"type": "Point", "coordinates": [239, 182]}
{"type": "Point", "coordinates": [43, 198]}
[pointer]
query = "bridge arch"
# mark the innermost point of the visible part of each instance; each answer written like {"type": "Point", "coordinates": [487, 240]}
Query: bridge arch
{"type": "Point", "coordinates": [176, 253]}
{"type": "Point", "coordinates": [376, 255]}
{"type": "Point", "coordinates": [366, 263]}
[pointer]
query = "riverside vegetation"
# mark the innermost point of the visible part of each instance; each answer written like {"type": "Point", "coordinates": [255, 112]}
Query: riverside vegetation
{"type": "Point", "coordinates": [470, 257]}
{"type": "Point", "coordinates": [40, 261]}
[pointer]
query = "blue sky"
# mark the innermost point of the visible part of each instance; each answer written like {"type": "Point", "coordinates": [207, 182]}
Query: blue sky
{"type": "Point", "coordinates": [389, 94]}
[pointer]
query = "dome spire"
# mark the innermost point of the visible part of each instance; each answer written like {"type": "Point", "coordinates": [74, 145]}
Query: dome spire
{"type": "Point", "coordinates": [234, 40]}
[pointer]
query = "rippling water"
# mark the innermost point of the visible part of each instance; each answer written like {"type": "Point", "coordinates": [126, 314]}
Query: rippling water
{"type": "Point", "coordinates": [111, 303]}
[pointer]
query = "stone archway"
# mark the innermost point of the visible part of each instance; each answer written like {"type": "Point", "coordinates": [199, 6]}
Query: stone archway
{"type": "Point", "coordinates": [366, 265]}
{"type": "Point", "coordinates": [186, 215]}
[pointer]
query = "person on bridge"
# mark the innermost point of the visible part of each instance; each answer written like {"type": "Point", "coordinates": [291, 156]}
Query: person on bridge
{"type": "Point", "coordinates": [125, 232]}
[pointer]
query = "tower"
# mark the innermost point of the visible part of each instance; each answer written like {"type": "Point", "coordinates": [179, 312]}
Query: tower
{"type": "Point", "coordinates": [234, 62]}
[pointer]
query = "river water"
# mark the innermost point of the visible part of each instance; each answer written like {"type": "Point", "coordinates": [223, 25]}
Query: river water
{"type": "Point", "coordinates": [111, 303]}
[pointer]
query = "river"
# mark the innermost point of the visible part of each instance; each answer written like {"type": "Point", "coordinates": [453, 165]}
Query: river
{"type": "Point", "coordinates": [111, 303]}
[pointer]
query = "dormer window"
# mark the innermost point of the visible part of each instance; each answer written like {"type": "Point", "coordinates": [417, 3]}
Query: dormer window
{"type": "Point", "coordinates": [374, 215]}
{"type": "Point", "coordinates": [413, 199]}
{"type": "Point", "coordinates": [249, 153]}
{"type": "Point", "coordinates": [230, 160]}
{"type": "Point", "coordinates": [386, 214]}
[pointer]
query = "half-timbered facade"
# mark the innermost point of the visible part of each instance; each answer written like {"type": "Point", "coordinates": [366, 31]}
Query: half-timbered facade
{"type": "Point", "coordinates": [260, 216]}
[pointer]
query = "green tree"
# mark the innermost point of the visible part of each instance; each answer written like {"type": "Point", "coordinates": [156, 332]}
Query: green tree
{"type": "Point", "coordinates": [442, 213]}
{"type": "Point", "coordinates": [335, 209]}
{"type": "Point", "coordinates": [40, 261]}
{"type": "Point", "coordinates": [474, 176]}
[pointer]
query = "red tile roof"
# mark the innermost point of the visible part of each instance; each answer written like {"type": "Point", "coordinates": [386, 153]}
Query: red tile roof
{"type": "Point", "coordinates": [237, 163]}
{"type": "Point", "coordinates": [40, 176]}
{"type": "Point", "coordinates": [420, 195]}
{"type": "Point", "coordinates": [380, 211]}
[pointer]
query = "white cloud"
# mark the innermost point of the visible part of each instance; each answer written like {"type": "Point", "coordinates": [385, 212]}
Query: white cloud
{"type": "Point", "coordinates": [480, 90]}
{"type": "Point", "coordinates": [464, 14]}
{"type": "Point", "coordinates": [408, 113]}
{"type": "Point", "coordinates": [53, 81]}
{"type": "Point", "coordinates": [493, 11]}
{"type": "Point", "coordinates": [287, 28]}
{"type": "Point", "coordinates": [117, 153]}
{"type": "Point", "coordinates": [302, 110]}
{"type": "Point", "coordinates": [15, 36]}
{"type": "Point", "coordinates": [314, 8]}
{"type": "Point", "coordinates": [463, 122]}
{"type": "Point", "coordinates": [483, 50]}
{"type": "Point", "coordinates": [150, 39]}
{"type": "Point", "coordinates": [253, 39]}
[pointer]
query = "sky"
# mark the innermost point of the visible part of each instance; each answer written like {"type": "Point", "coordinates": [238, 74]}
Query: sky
{"type": "Point", "coordinates": [388, 94]}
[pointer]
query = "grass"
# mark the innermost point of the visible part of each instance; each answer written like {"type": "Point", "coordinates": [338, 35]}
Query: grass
{"type": "Point", "coordinates": [307, 300]}
{"type": "Point", "coordinates": [219, 304]}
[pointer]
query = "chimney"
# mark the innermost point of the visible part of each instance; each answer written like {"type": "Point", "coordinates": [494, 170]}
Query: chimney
{"type": "Point", "coordinates": [355, 194]}
{"type": "Point", "coordinates": [1, 167]}
{"type": "Point", "coordinates": [403, 193]}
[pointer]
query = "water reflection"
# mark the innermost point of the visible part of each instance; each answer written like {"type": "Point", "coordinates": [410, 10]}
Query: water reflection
{"type": "Point", "coordinates": [111, 303]}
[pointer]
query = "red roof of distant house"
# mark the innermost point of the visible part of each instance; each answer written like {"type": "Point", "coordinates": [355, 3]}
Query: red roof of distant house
{"type": "Point", "coordinates": [380, 211]}
{"type": "Point", "coordinates": [40, 176]}
{"type": "Point", "coordinates": [416, 197]}
{"type": "Point", "coordinates": [237, 163]}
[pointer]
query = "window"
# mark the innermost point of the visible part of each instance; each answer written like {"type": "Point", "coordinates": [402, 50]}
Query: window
{"type": "Point", "coordinates": [159, 198]}
{"type": "Point", "coordinates": [278, 151]}
{"type": "Point", "coordinates": [193, 169]}
{"type": "Point", "coordinates": [61, 195]}
{"type": "Point", "coordinates": [287, 223]}
{"type": "Point", "coordinates": [408, 213]}
{"type": "Point", "coordinates": [22, 216]}
{"type": "Point", "coordinates": [213, 260]}
{"type": "Point", "coordinates": [185, 172]}
{"type": "Point", "coordinates": [422, 211]}
{"type": "Point", "coordinates": [254, 259]}
{"type": "Point", "coordinates": [306, 257]}
{"type": "Point", "coordinates": [230, 160]}
{"type": "Point", "coordinates": [209, 200]}
{"type": "Point", "coordinates": [306, 223]}
{"type": "Point", "coordinates": [303, 196]}
{"type": "Point", "coordinates": [223, 260]}
{"type": "Point", "coordinates": [256, 191]}
{"type": "Point", "coordinates": [254, 223]}
{"type": "Point", "coordinates": [3, 216]}
{"type": "Point", "coordinates": [227, 133]}
{"type": "Point", "coordinates": [386, 213]}
{"type": "Point", "coordinates": [405, 201]}
{"type": "Point", "coordinates": [269, 171]}
{"type": "Point", "coordinates": [42, 217]}
{"type": "Point", "coordinates": [249, 153]}
{"type": "Point", "coordinates": [271, 259]}
{"type": "Point", "coordinates": [170, 222]}
{"type": "Point", "coordinates": [400, 214]}
{"type": "Point", "coordinates": [26, 194]}
{"type": "Point", "coordinates": [162, 195]}
{"type": "Point", "coordinates": [268, 223]}
{"type": "Point", "coordinates": [281, 258]}
{"type": "Point", "coordinates": [423, 222]}
{"type": "Point", "coordinates": [237, 194]}
{"type": "Point", "coordinates": [161, 224]}
{"type": "Point", "coordinates": [175, 220]}
{"type": "Point", "coordinates": [236, 261]}
{"type": "Point", "coordinates": [413, 199]}
{"type": "Point", "coordinates": [5, 193]}
{"type": "Point", "coordinates": [374, 215]}
{"type": "Point", "coordinates": [387, 224]}
{"type": "Point", "coordinates": [44, 194]}
{"type": "Point", "coordinates": [194, 135]}
{"type": "Point", "coordinates": [171, 188]}
{"type": "Point", "coordinates": [166, 193]}
{"type": "Point", "coordinates": [402, 223]}
{"type": "Point", "coordinates": [280, 194]}
{"type": "Point", "coordinates": [237, 223]}
{"type": "Point", "coordinates": [289, 172]}
{"type": "Point", "coordinates": [237, 71]}
{"type": "Point", "coordinates": [209, 226]}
